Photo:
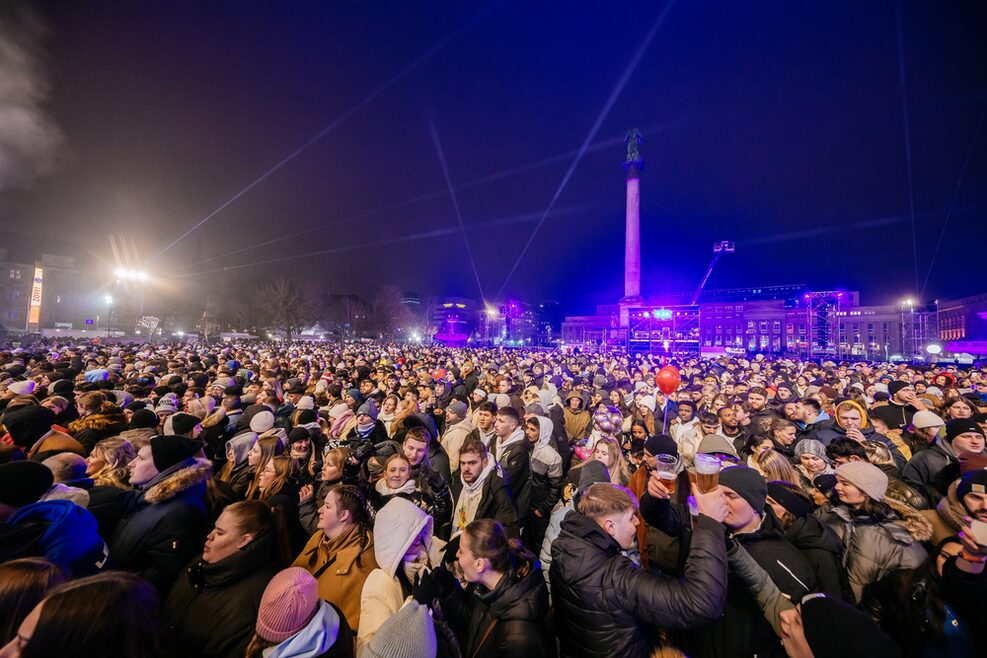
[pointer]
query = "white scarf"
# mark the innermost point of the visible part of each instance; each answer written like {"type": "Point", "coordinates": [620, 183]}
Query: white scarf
{"type": "Point", "coordinates": [469, 499]}
{"type": "Point", "coordinates": [384, 490]}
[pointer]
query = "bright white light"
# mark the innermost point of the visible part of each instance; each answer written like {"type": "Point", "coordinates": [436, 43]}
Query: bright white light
{"type": "Point", "coordinates": [130, 275]}
{"type": "Point", "coordinates": [179, 333]}
{"type": "Point", "coordinates": [108, 299]}
{"type": "Point", "coordinates": [415, 336]}
{"type": "Point", "coordinates": [933, 348]}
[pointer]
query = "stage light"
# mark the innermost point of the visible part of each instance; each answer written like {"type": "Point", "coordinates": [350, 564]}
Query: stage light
{"type": "Point", "coordinates": [933, 348]}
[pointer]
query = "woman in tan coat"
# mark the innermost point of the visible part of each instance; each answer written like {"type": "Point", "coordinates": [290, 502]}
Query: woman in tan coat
{"type": "Point", "coordinates": [340, 555]}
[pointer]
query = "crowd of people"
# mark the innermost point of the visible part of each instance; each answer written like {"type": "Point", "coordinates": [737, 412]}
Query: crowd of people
{"type": "Point", "coordinates": [283, 500]}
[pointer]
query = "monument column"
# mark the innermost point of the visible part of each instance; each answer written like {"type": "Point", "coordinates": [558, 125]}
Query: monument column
{"type": "Point", "coordinates": [632, 239]}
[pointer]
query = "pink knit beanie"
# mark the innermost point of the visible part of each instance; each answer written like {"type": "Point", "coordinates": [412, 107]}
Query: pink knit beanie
{"type": "Point", "coordinates": [288, 604]}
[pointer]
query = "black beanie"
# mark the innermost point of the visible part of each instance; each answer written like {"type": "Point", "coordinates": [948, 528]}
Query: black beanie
{"type": "Point", "coordinates": [835, 629]}
{"type": "Point", "coordinates": [183, 423]}
{"type": "Point", "coordinates": [797, 505]}
{"type": "Point", "coordinates": [748, 484]}
{"type": "Point", "coordinates": [136, 405]}
{"type": "Point", "coordinates": [306, 416]}
{"type": "Point", "coordinates": [144, 418]}
{"type": "Point", "coordinates": [24, 482]}
{"type": "Point", "coordinates": [958, 426]}
{"type": "Point", "coordinates": [28, 423]}
{"type": "Point", "coordinates": [298, 434]}
{"type": "Point", "coordinates": [169, 449]}
{"type": "Point", "coordinates": [661, 444]}
{"type": "Point", "coordinates": [895, 386]}
{"type": "Point", "coordinates": [62, 387]}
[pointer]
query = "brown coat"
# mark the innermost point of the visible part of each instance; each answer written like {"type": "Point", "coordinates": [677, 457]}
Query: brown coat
{"type": "Point", "coordinates": [53, 443]}
{"type": "Point", "coordinates": [638, 484]}
{"type": "Point", "coordinates": [947, 517]}
{"type": "Point", "coordinates": [341, 582]}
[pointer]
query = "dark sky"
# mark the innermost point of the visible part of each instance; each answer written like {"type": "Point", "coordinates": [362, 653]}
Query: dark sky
{"type": "Point", "coordinates": [778, 125]}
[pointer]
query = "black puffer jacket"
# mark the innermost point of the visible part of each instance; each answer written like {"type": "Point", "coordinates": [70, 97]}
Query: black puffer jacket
{"type": "Point", "coordinates": [823, 550]}
{"type": "Point", "coordinates": [164, 524]}
{"type": "Point", "coordinates": [607, 606]}
{"type": "Point", "coordinates": [212, 609]}
{"type": "Point", "coordinates": [516, 607]}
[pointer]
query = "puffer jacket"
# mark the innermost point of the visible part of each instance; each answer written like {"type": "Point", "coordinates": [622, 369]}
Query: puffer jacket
{"type": "Point", "coordinates": [872, 550]}
{"type": "Point", "coordinates": [396, 527]}
{"type": "Point", "coordinates": [164, 524]}
{"type": "Point", "coordinates": [58, 530]}
{"type": "Point", "coordinates": [106, 422]}
{"type": "Point", "coordinates": [823, 550]}
{"type": "Point", "coordinates": [514, 612]}
{"type": "Point", "coordinates": [212, 609]}
{"type": "Point", "coordinates": [607, 606]}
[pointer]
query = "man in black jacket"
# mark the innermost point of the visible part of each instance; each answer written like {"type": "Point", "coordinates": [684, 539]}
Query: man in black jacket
{"type": "Point", "coordinates": [512, 452]}
{"type": "Point", "coordinates": [479, 493]}
{"type": "Point", "coordinates": [605, 605]}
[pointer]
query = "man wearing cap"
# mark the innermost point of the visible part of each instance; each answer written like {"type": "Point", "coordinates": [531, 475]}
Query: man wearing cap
{"type": "Point", "coordinates": [903, 404]}
{"type": "Point", "coordinates": [932, 469]}
{"type": "Point", "coordinates": [165, 519]}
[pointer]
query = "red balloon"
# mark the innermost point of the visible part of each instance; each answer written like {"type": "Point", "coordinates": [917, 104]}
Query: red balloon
{"type": "Point", "coordinates": [668, 379]}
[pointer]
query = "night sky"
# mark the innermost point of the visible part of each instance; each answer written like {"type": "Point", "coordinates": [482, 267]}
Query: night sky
{"type": "Point", "coordinates": [778, 125]}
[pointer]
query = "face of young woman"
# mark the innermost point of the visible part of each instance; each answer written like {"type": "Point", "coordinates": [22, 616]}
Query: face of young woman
{"type": "Point", "coordinates": [849, 494]}
{"type": "Point", "coordinates": [253, 457]}
{"type": "Point", "coordinates": [602, 454]}
{"type": "Point", "coordinates": [266, 476]}
{"type": "Point", "coordinates": [224, 540]}
{"type": "Point", "coordinates": [639, 433]}
{"type": "Point", "coordinates": [397, 473]}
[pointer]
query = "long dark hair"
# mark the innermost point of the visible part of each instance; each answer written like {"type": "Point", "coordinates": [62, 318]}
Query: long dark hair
{"type": "Point", "coordinates": [256, 518]}
{"type": "Point", "coordinates": [23, 583]}
{"type": "Point", "coordinates": [111, 614]}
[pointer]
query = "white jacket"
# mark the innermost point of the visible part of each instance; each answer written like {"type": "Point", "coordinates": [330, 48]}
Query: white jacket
{"type": "Point", "coordinates": [452, 441]}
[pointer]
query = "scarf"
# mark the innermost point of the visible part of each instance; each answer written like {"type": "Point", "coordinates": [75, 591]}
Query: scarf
{"type": "Point", "coordinates": [469, 498]}
{"type": "Point", "coordinates": [365, 430]}
{"type": "Point", "coordinates": [384, 490]}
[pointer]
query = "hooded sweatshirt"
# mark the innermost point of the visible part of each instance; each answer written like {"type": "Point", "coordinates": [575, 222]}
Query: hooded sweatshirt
{"type": "Point", "coordinates": [546, 470]}
{"type": "Point", "coordinates": [320, 635]}
{"type": "Point", "coordinates": [396, 527]}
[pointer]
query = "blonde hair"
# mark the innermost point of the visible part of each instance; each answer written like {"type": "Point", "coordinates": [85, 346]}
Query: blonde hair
{"type": "Point", "coordinates": [619, 473]}
{"type": "Point", "coordinates": [116, 454]}
{"type": "Point", "coordinates": [775, 466]}
{"type": "Point", "coordinates": [605, 498]}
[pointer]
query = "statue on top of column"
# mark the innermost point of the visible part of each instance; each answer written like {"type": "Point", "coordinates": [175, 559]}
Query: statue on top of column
{"type": "Point", "coordinates": [633, 140]}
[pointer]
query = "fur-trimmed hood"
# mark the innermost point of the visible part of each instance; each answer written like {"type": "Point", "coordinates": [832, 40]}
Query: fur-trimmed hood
{"type": "Point", "coordinates": [217, 417]}
{"type": "Point", "coordinates": [177, 479]}
{"type": "Point", "coordinates": [108, 417]}
{"type": "Point", "coordinates": [911, 520]}
{"type": "Point", "coordinates": [951, 510]}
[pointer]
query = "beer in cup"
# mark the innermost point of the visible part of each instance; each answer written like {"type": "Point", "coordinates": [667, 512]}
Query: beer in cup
{"type": "Point", "coordinates": [667, 467]}
{"type": "Point", "coordinates": [707, 472]}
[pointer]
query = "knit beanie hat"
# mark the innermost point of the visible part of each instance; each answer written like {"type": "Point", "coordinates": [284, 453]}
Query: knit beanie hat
{"type": "Point", "coordinates": [369, 408]}
{"type": "Point", "coordinates": [182, 423]}
{"type": "Point", "coordinates": [262, 421]}
{"type": "Point", "coordinates": [22, 388]}
{"type": "Point", "coordinates": [834, 629]}
{"type": "Point", "coordinates": [866, 477]}
{"type": "Point", "coordinates": [791, 501]}
{"type": "Point", "coordinates": [143, 418]}
{"type": "Point", "coordinates": [972, 482]}
{"type": "Point", "coordinates": [959, 426]}
{"type": "Point", "coordinates": [923, 419]}
{"type": "Point", "coordinates": [298, 434]}
{"type": "Point", "coordinates": [170, 449]}
{"type": "Point", "coordinates": [408, 633]}
{"type": "Point", "coordinates": [28, 423]}
{"type": "Point", "coordinates": [895, 386]}
{"type": "Point", "coordinates": [746, 483]}
{"type": "Point", "coordinates": [459, 408]}
{"type": "Point", "coordinates": [24, 482]}
{"type": "Point", "coordinates": [661, 444]}
{"type": "Point", "coordinates": [289, 602]}
{"type": "Point", "coordinates": [811, 447]}
{"type": "Point", "coordinates": [307, 402]}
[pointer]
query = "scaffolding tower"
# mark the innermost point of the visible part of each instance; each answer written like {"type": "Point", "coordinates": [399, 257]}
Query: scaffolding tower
{"type": "Point", "coordinates": [823, 323]}
{"type": "Point", "coordinates": [919, 328]}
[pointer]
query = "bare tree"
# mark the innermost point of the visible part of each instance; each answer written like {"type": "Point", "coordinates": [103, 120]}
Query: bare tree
{"type": "Point", "coordinates": [285, 305]}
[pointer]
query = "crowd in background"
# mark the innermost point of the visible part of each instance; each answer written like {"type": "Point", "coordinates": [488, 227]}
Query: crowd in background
{"type": "Point", "coordinates": [283, 500]}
